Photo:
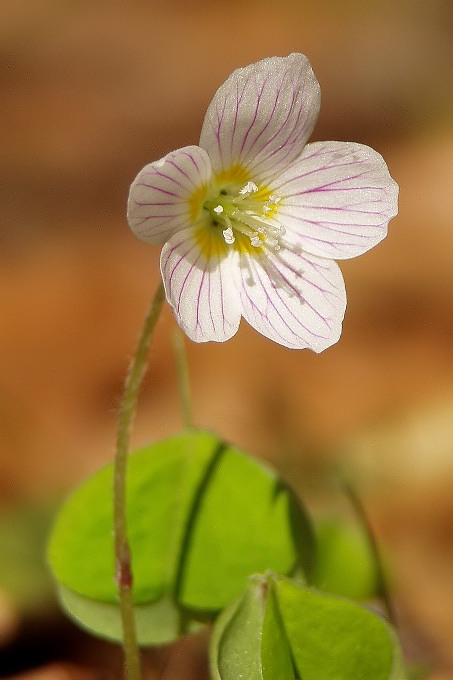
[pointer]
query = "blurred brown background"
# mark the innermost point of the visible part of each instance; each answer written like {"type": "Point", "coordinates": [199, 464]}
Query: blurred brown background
{"type": "Point", "coordinates": [90, 92]}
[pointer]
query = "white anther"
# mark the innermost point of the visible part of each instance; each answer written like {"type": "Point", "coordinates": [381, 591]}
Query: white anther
{"type": "Point", "coordinates": [255, 241]}
{"type": "Point", "coordinates": [249, 188]}
{"type": "Point", "coordinates": [228, 236]}
{"type": "Point", "coordinates": [218, 209]}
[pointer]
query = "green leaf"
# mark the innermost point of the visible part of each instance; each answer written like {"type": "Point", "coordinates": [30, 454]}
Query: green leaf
{"type": "Point", "coordinates": [236, 639]}
{"type": "Point", "coordinates": [280, 630]}
{"type": "Point", "coordinates": [335, 639]}
{"type": "Point", "coordinates": [276, 655]}
{"type": "Point", "coordinates": [243, 525]}
{"type": "Point", "coordinates": [202, 516]}
{"type": "Point", "coordinates": [157, 623]}
{"type": "Point", "coordinates": [344, 563]}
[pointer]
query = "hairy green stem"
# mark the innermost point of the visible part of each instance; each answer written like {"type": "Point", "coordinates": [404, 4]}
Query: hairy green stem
{"type": "Point", "coordinates": [124, 575]}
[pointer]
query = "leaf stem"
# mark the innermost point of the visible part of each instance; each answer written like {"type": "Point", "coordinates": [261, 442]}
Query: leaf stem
{"type": "Point", "coordinates": [124, 575]}
{"type": "Point", "coordinates": [361, 513]}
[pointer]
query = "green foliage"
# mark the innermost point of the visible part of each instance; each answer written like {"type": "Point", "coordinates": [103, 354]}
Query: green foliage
{"type": "Point", "coordinates": [236, 639]}
{"type": "Point", "coordinates": [157, 623]}
{"type": "Point", "coordinates": [344, 562]}
{"type": "Point", "coordinates": [202, 516]}
{"type": "Point", "coordinates": [23, 573]}
{"type": "Point", "coordinates": [291, 631]}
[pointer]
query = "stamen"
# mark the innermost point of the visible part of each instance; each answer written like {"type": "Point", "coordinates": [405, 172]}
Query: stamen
{"type": "Point", "coordinates": [245, 217]}
{"type": "Point", "coordinates": [228, 236]}
{"type": "Point", "coordinates": [242, 213]}
{"type": "Point", "coordinates": [248, 189]}
{"type": "Point", "coordinates": [228, 222]}
{"type": "Point", "coordinates": [273, 243]}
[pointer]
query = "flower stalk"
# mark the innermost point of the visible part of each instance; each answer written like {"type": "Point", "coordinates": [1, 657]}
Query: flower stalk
{"type": "Point", "coordinates": [123, 564]}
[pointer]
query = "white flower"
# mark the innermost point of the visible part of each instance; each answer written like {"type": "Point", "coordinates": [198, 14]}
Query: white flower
{"type": "Point", "coordinates": [253, 218]}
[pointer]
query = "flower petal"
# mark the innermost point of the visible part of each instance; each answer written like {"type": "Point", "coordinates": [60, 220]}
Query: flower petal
{"type": "Point", "coordinates": [262, 116]}
{"type": "Point", "coordinates": [336, 199]}
{"type": "Point", "coordinates": [200, 288]}
{"type": "Point", "coordinates": [293, 298]}
{"type": "Point", "coordinates": [159, 201]}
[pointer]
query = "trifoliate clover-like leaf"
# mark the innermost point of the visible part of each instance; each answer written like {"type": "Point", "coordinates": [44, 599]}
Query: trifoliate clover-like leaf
{"type": "Point", "coordinates": [202, 516]}
{"type": "Point", "coordinates": [282, 630]}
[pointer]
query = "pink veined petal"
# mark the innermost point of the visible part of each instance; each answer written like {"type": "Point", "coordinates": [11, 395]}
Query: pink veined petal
{"type": "Point", "coordinates": [295, 299]}
{"type": "Point", "coordinates": [158, 203]}
{"type": "Point", "coordinates": [200, 289]}
{"type": "Point", "coordinates": [262, 116]}
{"type": "Point", "coordinates": [336, 199]}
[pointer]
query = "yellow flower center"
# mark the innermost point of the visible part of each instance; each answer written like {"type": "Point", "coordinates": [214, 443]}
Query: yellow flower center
{"type": "Point", "coordinates": [234, 212]}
